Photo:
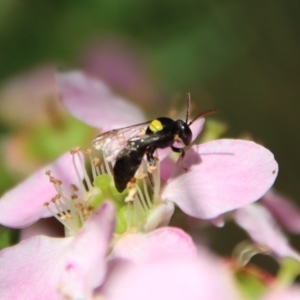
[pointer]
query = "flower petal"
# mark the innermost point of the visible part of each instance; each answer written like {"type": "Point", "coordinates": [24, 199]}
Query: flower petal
{"type": "Point", "coordinates": [217, 221]}
{"type": "Point", "coordinates": [171, 278]}
{"type": "Point", "coordinates": [121, 65]}
{"type": "Point", "coordinates": [292, 293]}
{"type": "Point", "coordinates": [90, 100]}
{"type": "Point", "coordinates": [222, 175]}
{"type": "Point", "coordinates": [166, 168]}
{"type": "Point", "coordinates": [283, 210]}
{"type": "Point", "coordinates": [85, 266]}
{"type": "Point", "coordinates": [31, 269]}
{"type": "Point", "coordinates": [157, 245]}
{"type": "Point", "coordinates": [25, 96]}
{"type": "Point", "coordinates": [159, 216]}
{"type": "Point", "coordinates": [264, 231]}
{"type": "Point", "coordinates": [197, 127]}
{"type": "Point", "coordinates": [24, 204]}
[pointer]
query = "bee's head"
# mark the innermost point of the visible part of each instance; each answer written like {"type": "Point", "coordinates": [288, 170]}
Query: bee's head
{"type": "Point", "coordinates": [185, 133]}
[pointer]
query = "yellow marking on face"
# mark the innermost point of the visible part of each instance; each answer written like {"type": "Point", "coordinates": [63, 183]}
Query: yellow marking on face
{"type": "Point", "coordinates": [155, 126]}
{"type": "Point", "coordinates": [176, 136]}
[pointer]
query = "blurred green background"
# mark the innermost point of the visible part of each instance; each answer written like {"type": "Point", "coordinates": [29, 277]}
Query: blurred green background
{"type": "Point", "coordinates": [241, 57]}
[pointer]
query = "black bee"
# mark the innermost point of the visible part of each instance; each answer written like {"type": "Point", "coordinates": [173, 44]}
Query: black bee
{"type": "Point", "coordinates": [127, 146]}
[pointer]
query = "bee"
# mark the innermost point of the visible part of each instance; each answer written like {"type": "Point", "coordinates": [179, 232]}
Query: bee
{"type": "Point", "coordinates": [128, 145]}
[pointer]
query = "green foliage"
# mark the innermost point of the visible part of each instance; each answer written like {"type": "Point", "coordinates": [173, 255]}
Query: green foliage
{"type": "Point", "coordinates": [47, 142]}
{"type": "Point", "coordinates": [8, 237]}
{"type": "Point", "coordinates": [252, 288]}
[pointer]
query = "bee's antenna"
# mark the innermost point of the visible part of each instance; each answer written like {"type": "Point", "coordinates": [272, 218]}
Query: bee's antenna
{"type": "Point", "coordinates": [209, 112]}
{"type": "Point", "coordinates": [188, 107]}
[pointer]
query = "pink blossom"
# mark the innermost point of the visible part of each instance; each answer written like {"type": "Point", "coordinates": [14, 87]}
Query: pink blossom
{"type": "Point", "coordinates": [292, 293]}
{"type": "Point", "coordinates": [31, 269]}
{"type": "Point", "coordinates": [27, 95]}
{"type": "Point", "coordinates": [47, 268]}
{"type": "Point", "coordinates": [44, 266]}
{"type": "Point", "coordinates": [28, 103]}
{"type": "Point", "coordinates": [85, 264]}
{"type": "Point", "coordinates": [143, 249]}
{"type": "Point", "coordinates": [283, 210]}
{"type": "Point", "coordinates": [122, 67]}
{"type": "Point", "coordinates": [90, 100]}
{"type": "Point", "coordinates": [23, 205]}
{"type": "Point", "coordinates": [201, 278]}
{"type": "Point", "coordinates": [222, 175]}
{"type": "Point", "coordinates": [258, 222]}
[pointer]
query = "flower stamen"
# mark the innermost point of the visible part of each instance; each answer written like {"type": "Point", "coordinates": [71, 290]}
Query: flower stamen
{"type": "Point", "coordinates": [72, 207]}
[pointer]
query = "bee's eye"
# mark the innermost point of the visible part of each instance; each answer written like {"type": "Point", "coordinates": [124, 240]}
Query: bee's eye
{"type": "Point", "coordinates": [185, 133]}
{"type": "Point", "coordinates": [186, 136]}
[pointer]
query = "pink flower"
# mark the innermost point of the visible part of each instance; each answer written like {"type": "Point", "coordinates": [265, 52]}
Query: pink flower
{"type": "Point", "coordinates": [24, 204]}
{"type": "Point", "coordinates": [292, 293]}
{"type": "Point", "coordinates": [258, 222]}
{"type": "Point", "coordinates": [91, 101]}
{"type": "Point", "coordinates": [201, 278]}
{"type": "Point", "coordinates": [25, 96]}
{"type": "Point", "coordinates": [262, 223]}
{"type": "Point", "coordinates": [121, 66]}
{"type": "Point", "coordinates": [222, 175]}
{"type": "Point", "coordinates": [40, 261]}
{"type": "Point", "coordinates": [80, 260]}
{"type": "Point", "coordinates": [47, 268]}
{"type": "Point", "coordinates": [283, 210]}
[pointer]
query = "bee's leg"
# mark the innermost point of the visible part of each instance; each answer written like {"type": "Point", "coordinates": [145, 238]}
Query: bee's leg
{"type": "Point", "coordinates": [150, 156]}
{"type": "Point", "coordinates": [182, 154]}
{"type": "Point", "coordinates": [152, 162]}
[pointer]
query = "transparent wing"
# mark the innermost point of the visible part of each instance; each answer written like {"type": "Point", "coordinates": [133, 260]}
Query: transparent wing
{"type": "Point", "coordinates": [112, 142]}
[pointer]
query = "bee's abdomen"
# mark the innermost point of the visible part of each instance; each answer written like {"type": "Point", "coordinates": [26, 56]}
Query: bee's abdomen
{"type": "Point", "coordinates": [127, 163]}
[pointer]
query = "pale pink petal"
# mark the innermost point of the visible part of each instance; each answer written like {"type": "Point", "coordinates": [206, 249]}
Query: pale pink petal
{"type": "Point", "coordinates": [283, 210]}
{"type": "Point", "coordinates": [85, 266]}
{"type": "Point", "coordinates": [197, 127]}
{"type": "Point", "coordinates": [166, 168]}
{"type": "Point", "coordinates": [264, 231]}
{"type": "Point", "coordinates": [292, 293]}
{"type": "Point", "coordinates": [31, 269]}
{"type": "Point", "coordinates": [26, 96]}
{"type": "Point", "coordinates": [159, 216]}
{"type": "Point", "coordinates": [217, 221]}
{"type": "Point", "coordinates": [171, 278]}
{"type": "Point", "coordinates": [164, 153]}
{"type": "Point", "coordinates": [166, 242]}
{"type": "Point", "coordinates": [121, 65]}
{"type": "Point", "coordinates": [24, 204]}
{"type": "Point", "coordinates": [222, 175]}
{"type": "Point", "coordinates": [90, 100]}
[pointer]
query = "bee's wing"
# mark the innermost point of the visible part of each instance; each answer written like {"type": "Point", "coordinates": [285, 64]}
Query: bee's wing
{"type": "Point", "coordinates": [112, 142]}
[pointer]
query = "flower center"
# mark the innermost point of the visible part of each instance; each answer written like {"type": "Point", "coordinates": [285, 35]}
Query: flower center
{"type": "Point", "coordinates": [72, 206]}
